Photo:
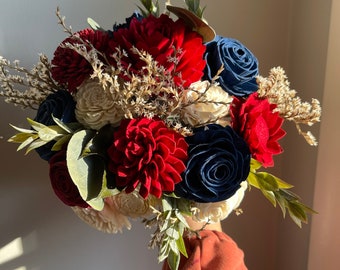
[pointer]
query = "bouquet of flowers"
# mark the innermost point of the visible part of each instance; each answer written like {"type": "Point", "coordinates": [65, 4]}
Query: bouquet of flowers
{"type": "Point", "coordinates": [160, 119]}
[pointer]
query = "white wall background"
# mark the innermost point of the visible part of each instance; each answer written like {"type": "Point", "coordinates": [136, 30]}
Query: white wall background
{"type": "Point", "coordinates": [294, 34]}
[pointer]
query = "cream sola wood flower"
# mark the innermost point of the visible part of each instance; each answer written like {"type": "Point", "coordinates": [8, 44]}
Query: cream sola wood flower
{"type": "Point", "coordinates": [215, 212]}
{"type": "Point", "coordinates": [205, 103]}
{"type": "Point", "coordinates": [96, 107]}
{"type": "Point", "coordinates": [116, 212]}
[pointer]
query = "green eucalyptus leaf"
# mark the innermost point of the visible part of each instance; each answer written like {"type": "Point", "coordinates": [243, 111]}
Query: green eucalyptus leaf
{"type": "Point", "coordinates": [289, 195]}
{"type": "Point", "coordinates": [181, 218]}
{"type": "Point", "coordinates": [173, 260]}
{"type": "Point", "coordinates": [252, 180]}
{"type": "Point", "coordinates": [149, 8]}
{"type": "Point", "coordinates": [181, 246]}
{"type": "Point", "coordinates": [173, 233]}
{"type": "Point", "coordinates": [270, 196]}
{"type": "Point", "coordinates": [20, 137]}
{"type": "Point", "coordinates": [87, 173]}
{"type": "Point", "coordinates": [282, 184]}
{"type": "Point", "coordinates": [26, 143]}
{"type": "Point", "coordinates": [61, 142]}
{"type": "Point", "coordinates": [164, 251]}
{"type": "Point", "coordinates": [35, 125]}
{"type": "Point", "coordinates": [254, 165]}
{"type": "Point", "coordinates": [267, 181]}
{"type": "Point", "coordinates": [184, 206]}
{"type": "Point", "coordinates": [94, 25]}
{"type": "Point", "coordinates": [173, 246]}
{"type": "Point", "coordinates": [298, 211]}
{"type": "Point", "coordinates": [35, 144]}
{"type": "Point", "coordinates": [166, 203]}
{"type": "Point", "coordinates": [69, 127]}
{"type": "Point", "coordinates": [50, 133]}
{"type": "Point", "coordinates": [282, 203]}
{"type": "Point", "coordinates": [23, 130]}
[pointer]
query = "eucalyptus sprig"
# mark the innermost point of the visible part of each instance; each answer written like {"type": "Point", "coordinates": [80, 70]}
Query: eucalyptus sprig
{"type": "Point", "coordinates": [149, 8]}
{"type": "Point", "coordinates": [194, 7]}
{"type": "Point", "coordinates": [171, 225]}
{"type": "Point", "coordinates": [277, 192]}
{"type": "Point", "coordinates": [41, 134]}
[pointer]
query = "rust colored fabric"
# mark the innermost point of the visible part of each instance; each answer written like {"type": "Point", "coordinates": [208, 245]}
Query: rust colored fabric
{"type": "Point", "coordinates": [214, 251]}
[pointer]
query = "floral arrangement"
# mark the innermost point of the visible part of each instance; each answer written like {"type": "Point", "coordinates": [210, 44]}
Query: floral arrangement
{"type": "Point", "coordinates": [159, 119]}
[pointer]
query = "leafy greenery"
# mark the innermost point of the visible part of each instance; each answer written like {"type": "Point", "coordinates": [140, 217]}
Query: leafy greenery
{"type": "Point", "coordinates": [86, 153]}
{"type": "Point", "coordinates": [171, 225]}
{"type": "Point", "coordinates": [194, 7]}
{"type": "Point", "coordinates": [149, 8]}
{"type": "Point", "coordinates": [277, 192]}
{"type": "Point", "coordinates": [41, 134]}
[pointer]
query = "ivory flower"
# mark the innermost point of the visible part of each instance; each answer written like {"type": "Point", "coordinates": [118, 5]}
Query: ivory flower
{"type": "Point", "coordinates": [96, 107]}
{"type": "Point", "coordinates": [206, 103]}
{"type": "Point", "coordinates": [214, 212]}
{"type": "Point", "coordinates": [133, 205]}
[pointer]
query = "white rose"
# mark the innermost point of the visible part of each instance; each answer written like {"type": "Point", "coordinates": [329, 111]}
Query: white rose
{"type": "Point", "coordinates": [95, 107]}
{"type": "Point", "coordinates": [214, 212]}
{"type": "Point", "coordinates": [214, 104]}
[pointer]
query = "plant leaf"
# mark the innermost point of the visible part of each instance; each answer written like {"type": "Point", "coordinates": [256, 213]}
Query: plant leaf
{"type": "Point", "coordinates": [267, 181]}
{"type": "Point", "coordinates": [35, 125]}
{"type": "Point", "coordinates": [60, 142]}
{"type": "Point", "coordinates": [35, 144]}
{"type": "Point", "coordinates": [181, 246]}
{"type": "Point", "coordinates": [20, 137]}
{"type": "Point", "coordinates": [270, 196]}
{"type": "Point", "coordinates": [173, 260]}
{"type": "Point", "coordinates": [50, 133]}
{"type": "Point", "coordinates": [26, 143]}
{"type": "Point", "coordinates": [94, 25]}
{"type": "Point", "coordinates": [23, 130]}
{"type": "Point", "coordinates": [69, 127]}
{"type": "Point", "coordinates": [84, 171]}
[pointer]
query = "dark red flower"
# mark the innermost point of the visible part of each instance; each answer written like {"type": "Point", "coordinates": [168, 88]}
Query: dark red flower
{"type": "Point", "coordinates": [146, 152]}
{"type": "Point", "coordinates": [162, 38]}
{"type": "Point", "coordinates": [69, 68]}
{"type": "Point", "coordinates": [62, 183]}
{"type": "Point", "coordinates": [253, 118]}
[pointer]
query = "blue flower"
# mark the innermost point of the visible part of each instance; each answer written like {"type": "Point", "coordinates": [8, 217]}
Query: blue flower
{"type": "Point", "coordinates": [238, 77]}
{"type": "Point", "coordinates": [218, 161]}
{"type": "Point", "coordinates": [62, 106]}
{"type": "Point", "coordinates": [128, 20]}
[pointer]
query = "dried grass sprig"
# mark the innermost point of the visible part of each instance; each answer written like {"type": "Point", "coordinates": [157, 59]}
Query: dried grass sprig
{"type": "Point", "coordinates": [27, 88]}
{"type": "Point", "coordinates": [276, 88]}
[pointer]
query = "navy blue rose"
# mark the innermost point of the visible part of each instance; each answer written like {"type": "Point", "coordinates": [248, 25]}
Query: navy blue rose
{"type": "Point", "coordinates": [62, 106]}
{"type": "Point", "coordinates": [218, 161]}
{"type": "Point", "coordinates": [238, 77]}
{"type": "Point", "coordinates": [128, 20]}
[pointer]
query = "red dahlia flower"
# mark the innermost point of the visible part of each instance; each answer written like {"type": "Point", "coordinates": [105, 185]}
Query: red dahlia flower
{"type": "Point", "coordinates": [253, 118]}
{"type": "Point", "coordinates": [69, 68]}
{"type": "Point", "coordinates": [146, 152]}
{"type": "Point", "coordinates": [162, 38]}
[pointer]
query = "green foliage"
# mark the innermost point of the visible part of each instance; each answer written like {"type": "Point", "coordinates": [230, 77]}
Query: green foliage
{"type": "Point", "coordinates": [87, 171]}
{"type": "Point", "coordinates": [194, 7]}
{"type": "Point", "coordinates": [86, 162]}
{"type": "Point", "coordinates": [86, 154]}
{"type": "Point", "coordinates": [94, 25]}
{"type": "Point", "coordinates": [40, 135]}
{"type": "Point", "coordinates": [149, 8]}
{"type": "Point", "coordinates": [277, 192]}
{"type": "Point", "coordinates": [172, 225]}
